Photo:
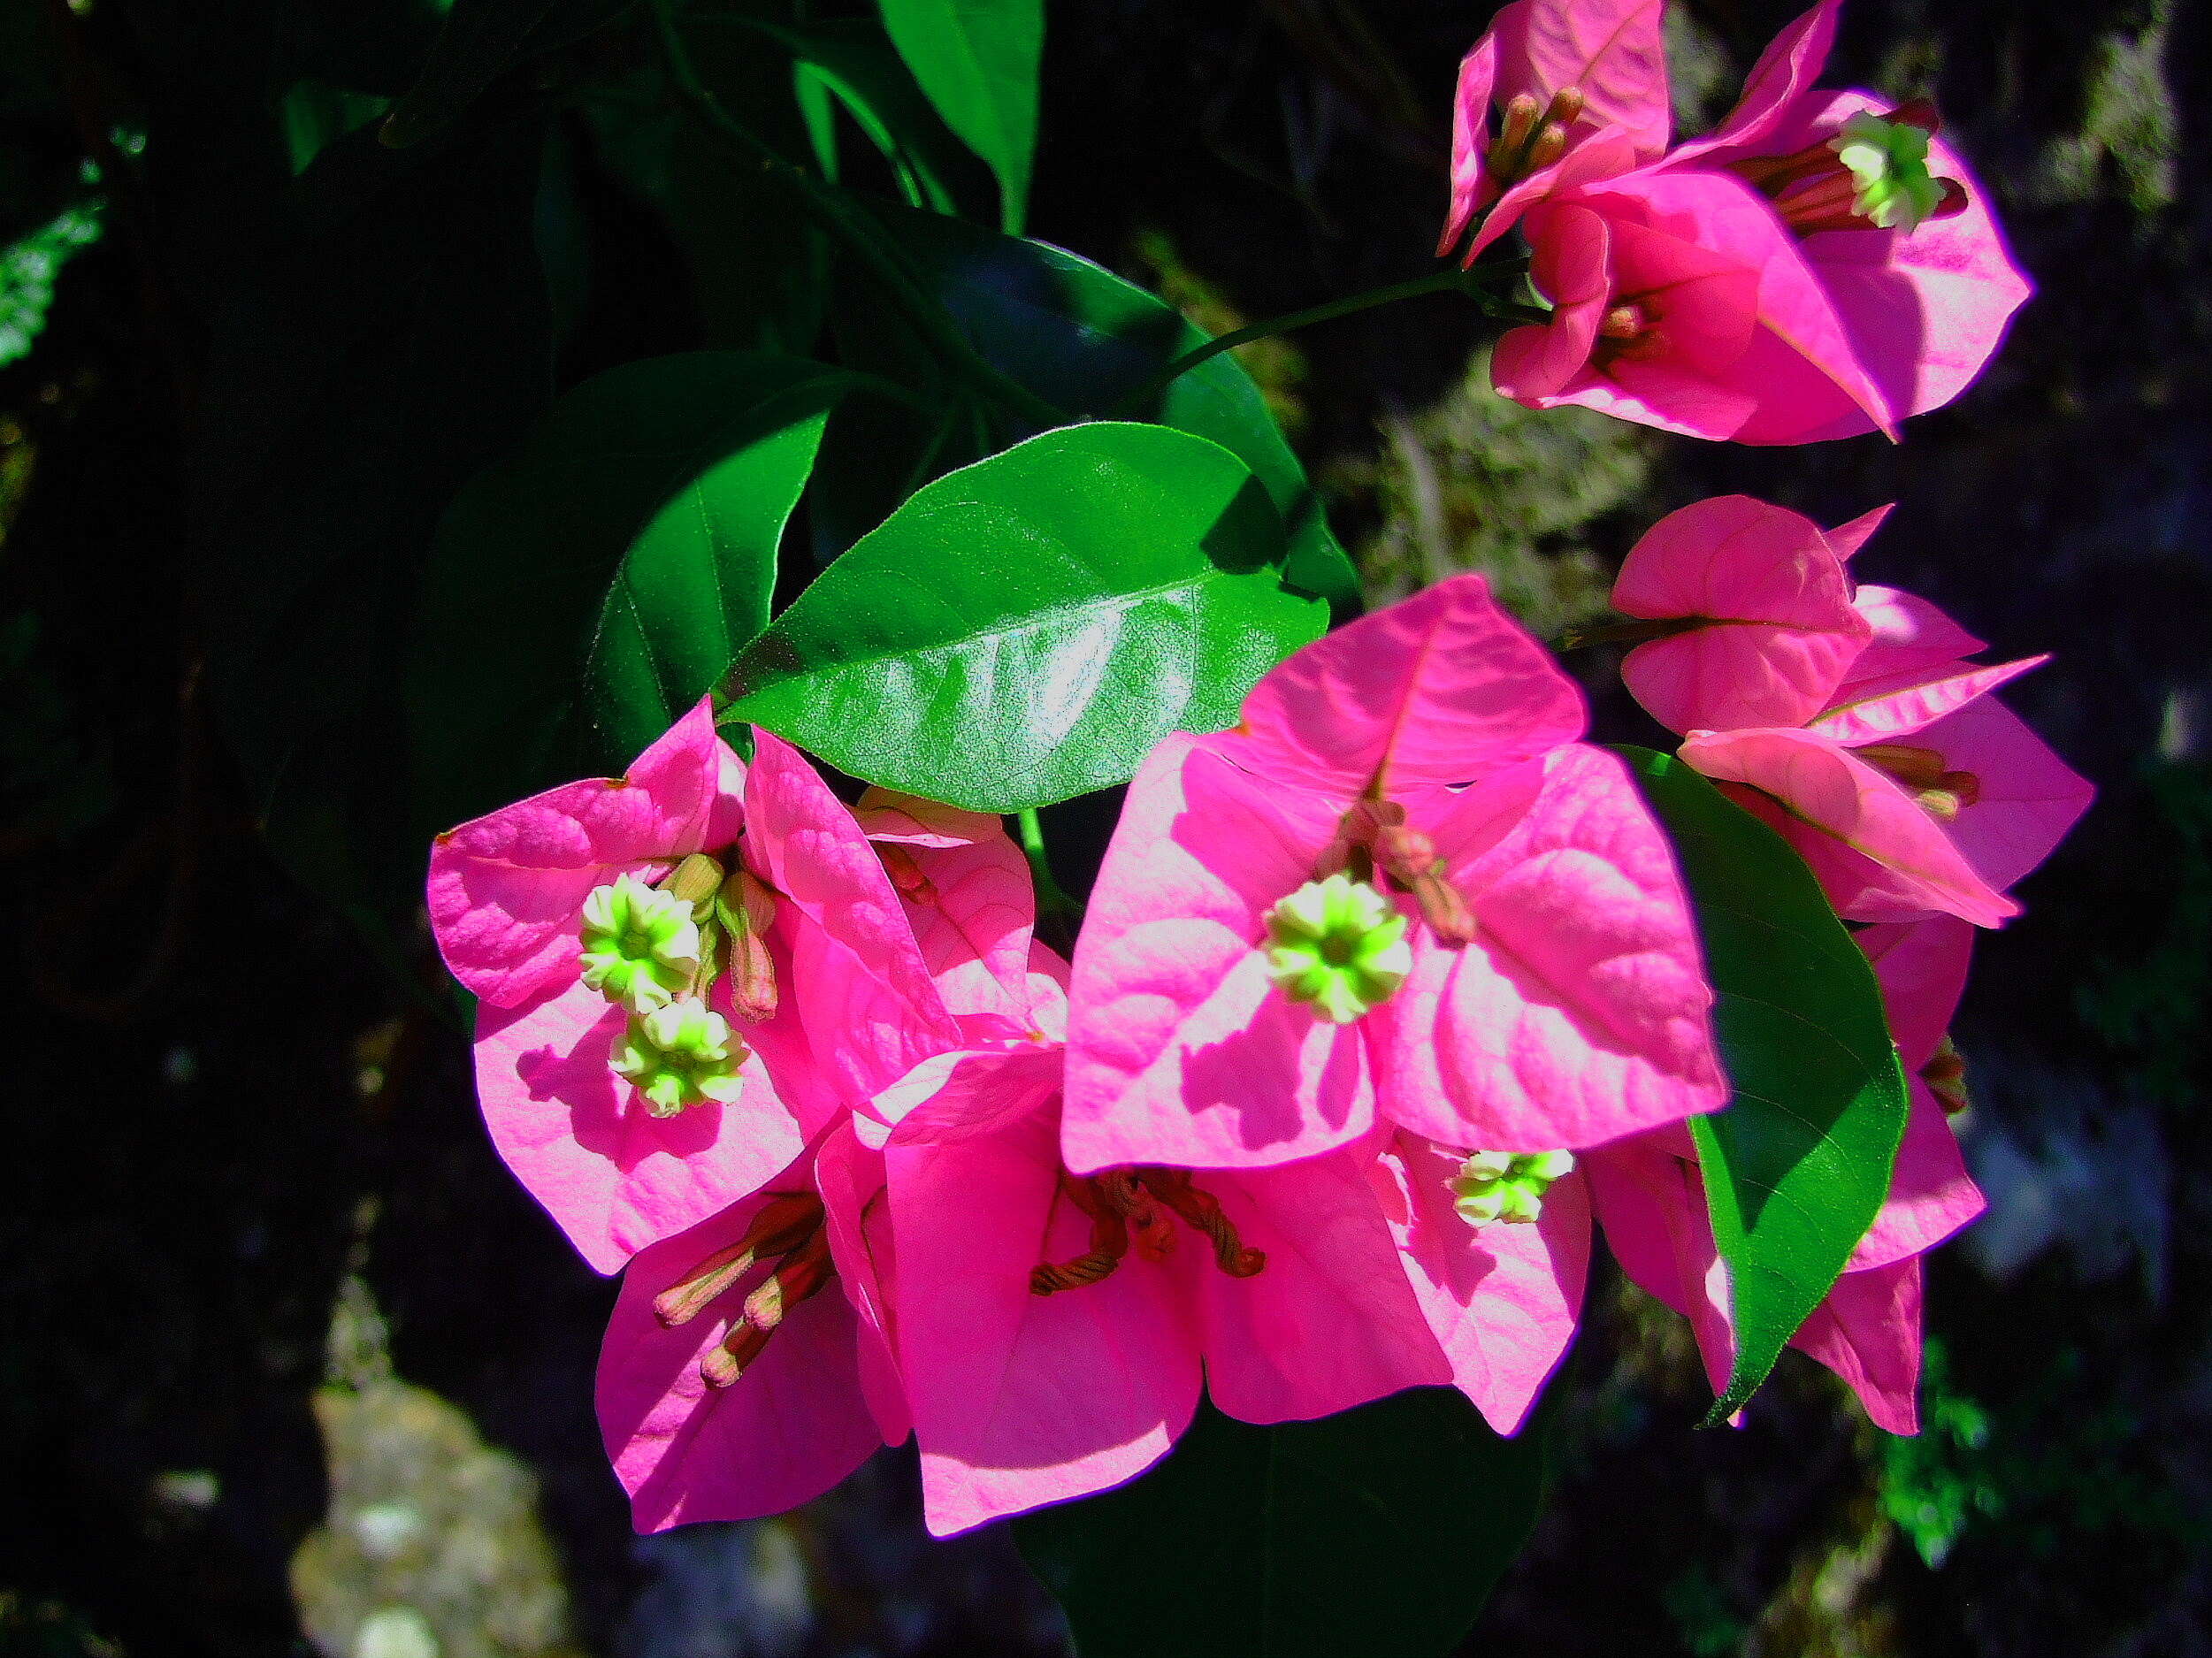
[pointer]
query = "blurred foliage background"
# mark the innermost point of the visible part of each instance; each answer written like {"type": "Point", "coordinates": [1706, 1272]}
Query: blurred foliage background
{"type": "Point", "coordinates": [287, 1365]}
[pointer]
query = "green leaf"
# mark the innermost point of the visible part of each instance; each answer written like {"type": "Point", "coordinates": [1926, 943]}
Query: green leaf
{"type": "Point", "coordinates": [1081, 337]}
{"type": "Point", "coordinates": [853, 60]}
{"type": "Point", "coordinates": [978, 60]}
{"type": "Point", "coordinates": [1797, 1165]}
{"type": "Point", "coordinates": [481, 40]}
{"type": "Point", "coordinates": [1377, 1533]}
{"type": "Point", "coordinates": [387, 336]}
{"type": "Point", "coordinates": [586, 590]}
{"type": "Point", "coordinates": [1026, 628]}
{"type": "Point", "coordinates": [28, 269]}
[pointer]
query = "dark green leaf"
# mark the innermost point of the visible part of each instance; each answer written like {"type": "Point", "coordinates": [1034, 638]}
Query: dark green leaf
{"type": "Point", "coordinates": [978, 60]}
{"type": "Point", "coordinates": [852, 59]}
{"type": "Point", "coordinates": [391, 337]}
{"type": "Point", "coordinates": [1081, 337]}
{"type": "Point", "coordinates": [589, 588]}
{"type": "Point", "coordinates": [481, 40]}
{"type": "Point", "coordinates": [1026, 628]}
{"type": "Point", "coordinates": [1798, 1164]}
{"type": "Point", "coordinates": [1375, 1533]}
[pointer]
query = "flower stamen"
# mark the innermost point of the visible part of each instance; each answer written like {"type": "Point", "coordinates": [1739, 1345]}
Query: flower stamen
{"type": "Point", "coordinates": [1123, 1209]}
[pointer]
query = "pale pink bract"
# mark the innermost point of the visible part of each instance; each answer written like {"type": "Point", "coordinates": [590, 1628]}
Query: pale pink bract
{"type": "Point", "coordinates": [1772, 630]}
{"type": "Point", "coordinates": [506, 895]}
{"type": "Point", "coordinates": [1578, 1013]}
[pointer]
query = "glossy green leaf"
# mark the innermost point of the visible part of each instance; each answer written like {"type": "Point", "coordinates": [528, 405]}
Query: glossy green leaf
{"type": "Point", "coordinates": [589, 588]}
{"type": "Point", "coordinates": [1024, 630]}
{"type": "Point", "coordinates": [1081, 337]}
{"type": "Point", "coordinates": [978, 60]}
{"type": "Point", "coordinates": [1798, 1164]}
{"type": "Point", "coordinates": [1375, 1533]}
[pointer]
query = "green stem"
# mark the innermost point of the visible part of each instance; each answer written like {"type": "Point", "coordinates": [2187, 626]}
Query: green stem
{"type": "Point", "coordinates": [825, 206]}
{"type": "Point", "coordinates": [1444, 281]}
{"type": "Point", "coordinates": [1053, 901]}
{"type": "Point", "coordinates": [1635, 631]}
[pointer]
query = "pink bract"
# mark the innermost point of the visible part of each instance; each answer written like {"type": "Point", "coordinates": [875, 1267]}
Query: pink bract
{"type": "Point", "coordinates": [1502, 1300]}
{"type": "Point", "coordinates": [1578, 1013]}
{"type": "Point", "coordinates": [795, 1423]}
{"type": "Point", "coordinates": [1022, 1399]}
{"type": "Point", "coordinates": [965, 888]}
{"type": "Point", "coordinates": [1652, 1203]}
{"type": "Point", "coordinates": [506, 893]}
{"type": "Point", "coordinates": [1775, 628]}
{"type": "Point", "coordinates": [1735, 320]}
{"type": "Point", "coordinates": [1847, 790]}
{"type": "Point", "coordinates": [1610, 53]}
{"type": "Point", "coordinates": [1922, 970]}
{"type": "Point", "coordinates": [1726, 332]}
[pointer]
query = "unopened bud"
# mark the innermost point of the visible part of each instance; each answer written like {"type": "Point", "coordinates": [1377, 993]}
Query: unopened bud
{"type": "Point", "coordinates": [1914, 766]}
{"type": "Point", "coordinates": [1444, 907]}
{"type": "Point", "coordinates": [1567, 104]}
{"type": "Point", "coordinates": [695, 881]}
{"type": "Point", "coordinates": [785, 1222]}
{"type": "Point", "coordinates": [1514, 131]}
{"type": "Point", "coordinates": [1945, 1073]}
{"type": "Point", "coordinates": [725, 1365]}
{"type": "Point", "coordinates": [1550, 144]}
{"type": "Point", "coordinates": [905, 875]}
{"type": "Point", "coordinates": [746, 910]}
{"type": "Point", "coordinates": [1625, 322]}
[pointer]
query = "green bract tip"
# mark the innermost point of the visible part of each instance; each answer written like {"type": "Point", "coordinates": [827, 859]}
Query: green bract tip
{"type": "Point", "coordinates": [1506, 1186]}
{"type": "Point", "coordinates": [640, 944]}
{"type": "Point", "coordinates": [679, 1055]}
{"type": "Point", "coordinates": [1889, 162]}
{"type": "Point", "coordinates": [1339, 946]}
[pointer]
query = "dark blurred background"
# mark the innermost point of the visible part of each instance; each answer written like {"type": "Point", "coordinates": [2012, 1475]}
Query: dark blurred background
{"type": "Point", "coordinates": [288, 1365]}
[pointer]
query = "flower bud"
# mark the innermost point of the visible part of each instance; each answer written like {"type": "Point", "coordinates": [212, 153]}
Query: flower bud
{"type": "Point", "coordinates": [695, 881]}
{"type": "Point", "coordinates": [746, 908]}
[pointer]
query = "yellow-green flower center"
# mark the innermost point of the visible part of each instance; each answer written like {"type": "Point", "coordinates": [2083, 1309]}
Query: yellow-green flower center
{"type": "Point", "coordinates": [1506, 1185]}
{"type": "Point", "coordinates": [678, 1056]}
{"type": "Point", "coordinates": [1888, 162]}
{"type": "Point", "coordinates": [640, 945]}
{"type": "Point", "coordinates": [1339, 946]}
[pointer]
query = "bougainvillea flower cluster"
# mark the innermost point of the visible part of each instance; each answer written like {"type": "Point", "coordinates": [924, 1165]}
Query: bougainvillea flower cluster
{"type": "Point", "coordinates": [1389, 999]}
{"type": "Point", "coordinates": [1846, 716]}
{"type": "Point", "coordinates": [1821, 265]}
{"type": "Point", "coordinates": [1384, 997]}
